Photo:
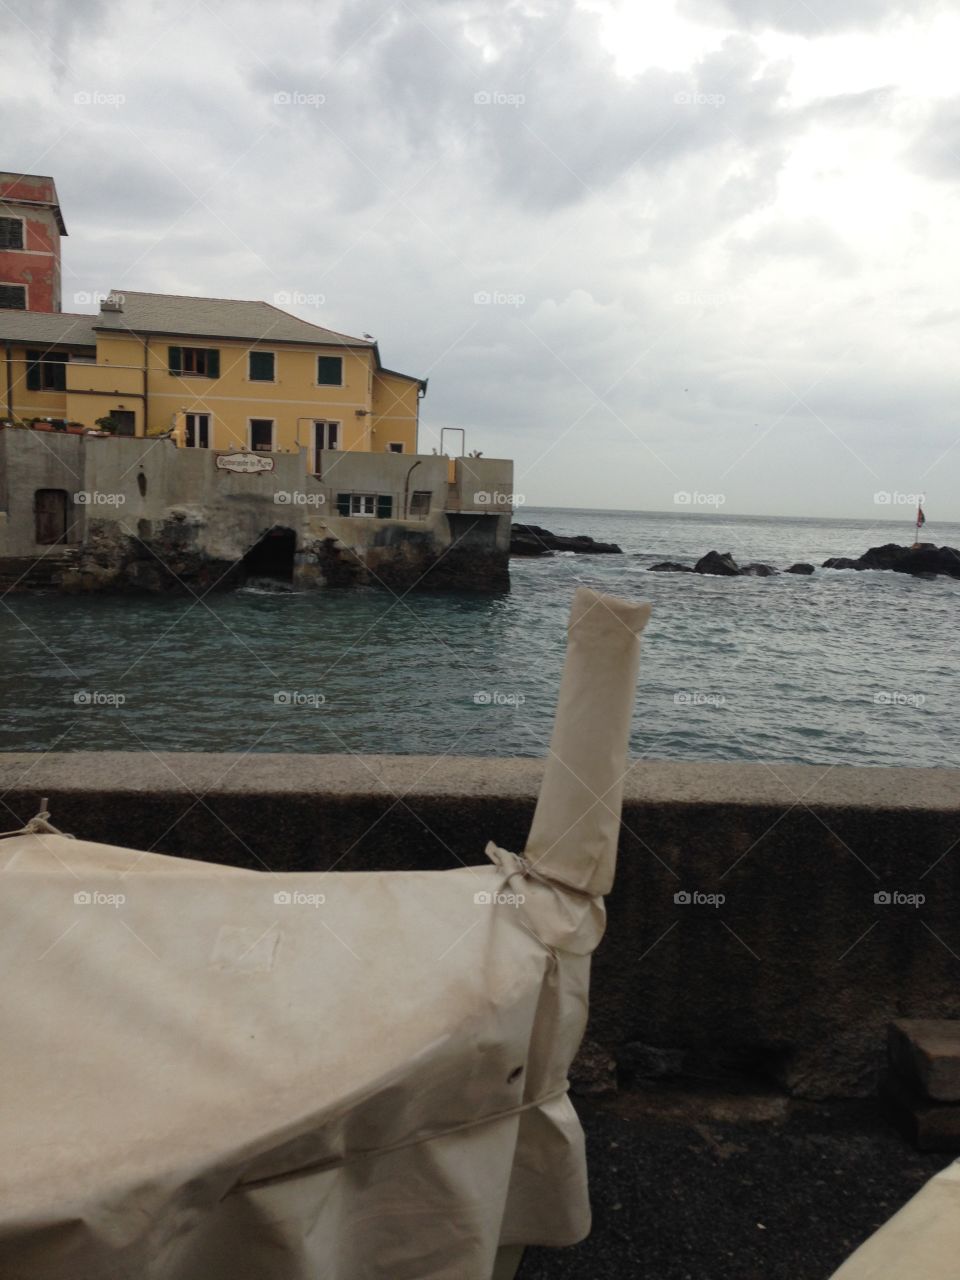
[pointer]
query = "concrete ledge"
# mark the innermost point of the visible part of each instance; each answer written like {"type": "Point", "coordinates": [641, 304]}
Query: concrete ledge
{"type": "Point", "coordinates": [792, 977]}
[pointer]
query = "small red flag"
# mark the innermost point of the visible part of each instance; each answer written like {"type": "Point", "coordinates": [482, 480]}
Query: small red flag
{"type": "Point", "coordinates": [921, 518]}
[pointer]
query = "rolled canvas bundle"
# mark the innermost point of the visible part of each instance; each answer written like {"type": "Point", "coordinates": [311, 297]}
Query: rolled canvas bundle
{"type": "Point", "coordinates": [211, 1072]}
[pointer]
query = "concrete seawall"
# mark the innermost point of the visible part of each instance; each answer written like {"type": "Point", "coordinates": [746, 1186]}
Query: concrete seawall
{"type": "Point", "coordinates": [792, 977]}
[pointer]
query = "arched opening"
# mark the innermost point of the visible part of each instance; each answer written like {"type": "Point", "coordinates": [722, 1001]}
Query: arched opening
{"type": "Point", "coordinates": [272, 557]}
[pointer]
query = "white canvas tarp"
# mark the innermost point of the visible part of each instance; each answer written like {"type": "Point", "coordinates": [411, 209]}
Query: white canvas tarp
{"type": "Point", "coordinates": [921, 1242]}
{"type": "Point", "coordinates": [208, 1073]}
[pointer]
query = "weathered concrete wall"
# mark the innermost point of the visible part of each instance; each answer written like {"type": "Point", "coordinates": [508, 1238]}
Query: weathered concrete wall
{"type": "Point", "coordinates": [146, 514]}
{"type": "Point", "coordinates": [794, 975]}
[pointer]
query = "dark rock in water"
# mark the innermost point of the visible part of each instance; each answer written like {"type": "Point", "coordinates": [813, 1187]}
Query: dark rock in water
{"type": "Point", "coordinates": [800, 568]}
{"type": "Point", "coordinates": [758, 571]}
{"type": "Point", "coordinates": [670, 566]}
{"type": "Point", "coordinates": [531, 540]}
{"type": "Point", "coordinates": [723, 565]}
{"type": "Point", "coordinates": [923, 560]}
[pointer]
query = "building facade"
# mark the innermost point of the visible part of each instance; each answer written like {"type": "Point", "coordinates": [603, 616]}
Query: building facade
{"type": "Point", "coordinates": [31, 225]}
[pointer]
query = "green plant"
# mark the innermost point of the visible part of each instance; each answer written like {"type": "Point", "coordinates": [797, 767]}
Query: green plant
{"type": "Point", "coordinates": [107, 423]}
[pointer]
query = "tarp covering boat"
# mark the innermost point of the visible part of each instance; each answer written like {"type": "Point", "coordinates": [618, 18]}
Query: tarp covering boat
{"type": "Point", "coordinates": [211, 1073]}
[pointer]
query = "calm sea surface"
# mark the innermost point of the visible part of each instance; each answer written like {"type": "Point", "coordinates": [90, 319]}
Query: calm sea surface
{"type": "Point", "coordinates": [837, 668]}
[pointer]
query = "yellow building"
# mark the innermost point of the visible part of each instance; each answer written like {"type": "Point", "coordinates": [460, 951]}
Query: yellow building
{"type": "Point", "coordinates": [216, 373]}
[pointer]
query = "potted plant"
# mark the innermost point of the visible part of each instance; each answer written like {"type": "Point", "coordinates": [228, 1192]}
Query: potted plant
{"type": "Point", "coordinates": [42, 424]}
{"type": "Point", "coordinates": [75, 428]}
{"type": "Point", "coordinates": [107, 424]}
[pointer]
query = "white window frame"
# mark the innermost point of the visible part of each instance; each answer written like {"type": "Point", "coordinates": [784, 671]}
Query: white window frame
{"type": "Point", "coordinates": [273, 435]}
{"type": "Point", "coordinates": [326, 423]}
{"type": "Point", "coordinates": [209, 444]}
{"type": "Point", "coordinates": [16, 284]}
{"type": "Point", "coordinates": [360, 499]}
{"type": "Point", "coordinates": [259, 351]}
{"type": "Point", "coordinates": [17, 217]}
{"type": "Point", "coordinates": [316, 370]}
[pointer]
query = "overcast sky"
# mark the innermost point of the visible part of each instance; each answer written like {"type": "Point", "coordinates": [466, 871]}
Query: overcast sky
{"type": "Point", "coordinates": [702, 247]}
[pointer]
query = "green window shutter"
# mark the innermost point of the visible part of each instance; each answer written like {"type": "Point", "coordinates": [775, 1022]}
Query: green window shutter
{"type": "Point", "coordinates": [343, 504]}
{"type": "Point", "coordinates": [213, 364]}
{"type": "Point", "coordinates": [175, 359]}
{"type": "Point", "coordinates": [33, 371]}
{"type": "Point", "coordinates": [261, 366]}
{"type": "Point", "coordinates": [329, 371]}
{"type": "Point", "coordinates": [384, 506]}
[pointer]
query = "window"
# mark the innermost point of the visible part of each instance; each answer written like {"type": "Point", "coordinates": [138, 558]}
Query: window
{"type": "Point", "coordinates": [46, 371]}
{"type": "Point", "coordinates": [11, 233]}
{"type": "Point", "coordinates": [329, 371]}
{"type": "Point", "coordinates": [261, 435]}
{"type": "Point", "coordinates": [13, 297]}
{"type": "Point", "coordinates": [261, 366]}
{"type": "Point", "coordinates": [197, 435]}
{"type": "Point", "coordinates": [395, 447]}
{"type": "Point", "coordinates": [379, 505]}
{"type": "Point", "coordinates": [126, 421]}
{"type": "Point", "coordinates": [198, 362]}
{"type": "Point", "coordinates": [420, 502]}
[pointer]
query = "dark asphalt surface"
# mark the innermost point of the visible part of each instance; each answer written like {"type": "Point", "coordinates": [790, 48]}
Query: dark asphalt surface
{"type": "Point", "coordinates": [688, 1198]}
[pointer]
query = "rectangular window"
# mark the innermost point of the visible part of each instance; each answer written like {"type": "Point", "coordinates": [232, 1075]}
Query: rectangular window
{"type": "Point", "coordinates": [329, 371]}
{"type": "Point", "coordinates": [197, 362]}
{"type": "Point", "coordinates": [198, 431]}
{"type": "Point", "coordinates": [362, 504]}
{"type": "Point", "coordinates": [379, 505]}
{"type": "Point", "coordinates": [13, 297]}
{"type": "Point", "coordinates": [395, 447]}
{"type": "Point", "coordinates": [46, 371]}
{"type": "Point", "coordinates": [11, 233]}
{"type": "Point", "coordinates": [420, 502]}
{"type": "Point", "coordinates": [261, 367]}
{"type": "Point", "coordinates": [261, 435]}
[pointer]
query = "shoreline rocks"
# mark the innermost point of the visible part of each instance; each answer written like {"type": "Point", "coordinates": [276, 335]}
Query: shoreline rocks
{"type": "Point", "coordinates": [923, 561]}
{"type": "Point", "coordinates": [531, 540]}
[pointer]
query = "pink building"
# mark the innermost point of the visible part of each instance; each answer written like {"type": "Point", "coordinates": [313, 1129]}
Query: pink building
{"type": "Point", "coordinates": [30, 229]}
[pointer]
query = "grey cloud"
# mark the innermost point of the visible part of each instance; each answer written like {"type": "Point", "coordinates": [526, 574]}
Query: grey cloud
{"type": "Point", "coordinates": [806, 17]}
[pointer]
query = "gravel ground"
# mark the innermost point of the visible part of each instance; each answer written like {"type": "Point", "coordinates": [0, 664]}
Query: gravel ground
{"type": "Point", "coordinates": [743, 1190]}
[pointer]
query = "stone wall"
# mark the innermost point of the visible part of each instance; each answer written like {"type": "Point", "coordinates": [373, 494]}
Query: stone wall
{"type": "Point", "coordinates": [791, 978]}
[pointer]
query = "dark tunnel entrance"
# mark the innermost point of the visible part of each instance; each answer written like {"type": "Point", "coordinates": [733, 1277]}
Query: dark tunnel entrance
{"type": "Point", "coordinates": [272, 557]}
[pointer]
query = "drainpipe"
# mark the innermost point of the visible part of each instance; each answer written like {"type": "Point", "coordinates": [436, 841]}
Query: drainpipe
{"type": "Point", "coordinates": [146, 414]}
{"type": "Point", "coordinates": [9, 380]}
{"type": "Point", "coordinates": [406, 489]}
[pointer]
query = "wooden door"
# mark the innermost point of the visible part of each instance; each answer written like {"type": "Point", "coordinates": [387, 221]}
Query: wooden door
{"type": "Point", "coordinates": [50, 515]}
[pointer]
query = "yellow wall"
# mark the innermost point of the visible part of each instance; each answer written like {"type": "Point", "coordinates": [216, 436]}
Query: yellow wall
{"type": "Point", "coordinates": [373, 408]}
{"type": "Point", "coordinates": [396, 406]}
